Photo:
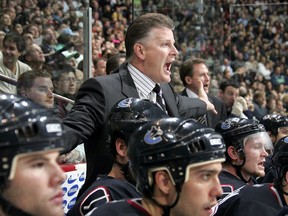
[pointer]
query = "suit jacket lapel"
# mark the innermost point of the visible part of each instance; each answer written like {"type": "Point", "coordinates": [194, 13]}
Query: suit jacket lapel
{"type": "Point", "coordinates": [128, 86]}
{"type": "Point", "coordinates": [168, 96]}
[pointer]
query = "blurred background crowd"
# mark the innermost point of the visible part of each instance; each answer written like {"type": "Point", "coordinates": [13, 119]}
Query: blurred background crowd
{"type": "Point", "coordinates": [245, 41]}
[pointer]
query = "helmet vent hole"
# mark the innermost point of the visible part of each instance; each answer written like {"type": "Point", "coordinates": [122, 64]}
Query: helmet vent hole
{"type": "Point", "coordinates": [197, 146]}
{"type": "Point", "coordinates": [28, 131]}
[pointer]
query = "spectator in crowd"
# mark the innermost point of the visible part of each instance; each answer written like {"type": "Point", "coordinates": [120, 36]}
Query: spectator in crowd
{"type": "Point", "coordinates": [264, 199]}
{"type": "Point", "coordinates": [99, 67]}
{"type": "Point", "coordinates": [30, 141]}
{"type": "Point", "coordinates": [246, 143]}
{"type": "Point", "coordinates": [5, 23]}
{"type": "Point", "coordinates": [126, 116]}
{"type": "Point", "coordinates": [136, 78]}
{"type": "Point", "coordinates": [10, 66]}
{"type": "Point", "coordinates": [49, 41]}
{"type": "Point", "coordinates": [235, 104]}
{"type": "Point", "coordinates": [191, 71]}
{"type": "Point", "coordinates": [2, 35]}
{"type": "Point", "coordinates": [228, 91]}
{"type": "Point", "coordinates": [37, 85]}
{"type": "Point", "coordinates": [278, 77]}
{"type": "Point", "coordinates": [64, 81]}
{"type": "Point", "coordinates": [169, 165]}
{"type": "Point", "coordinates": [114, 62]}
{"type": "Point", "coordinates": [34, 57]}
{"type": "Point", "coordinates": [259, 101]}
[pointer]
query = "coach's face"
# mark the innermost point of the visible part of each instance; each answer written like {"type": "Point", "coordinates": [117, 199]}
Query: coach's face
{"type": "Point", "coordinates": [157, 53]}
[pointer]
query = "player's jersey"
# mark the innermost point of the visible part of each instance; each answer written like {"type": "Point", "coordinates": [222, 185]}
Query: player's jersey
{"type": "Point", "coordinates": [128, 207]}
{"type": "Point", "coordinates": [264, 200]}
{"type": "Point", "coordinates": [230, 183]}
{"type": "Point", "coordinates": [104, 189]}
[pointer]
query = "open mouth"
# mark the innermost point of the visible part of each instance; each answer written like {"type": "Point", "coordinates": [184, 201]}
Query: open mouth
{"type": "Point", "coordinates": [261, 164]}
{"type": "Point", "coordinates": [168, 67]}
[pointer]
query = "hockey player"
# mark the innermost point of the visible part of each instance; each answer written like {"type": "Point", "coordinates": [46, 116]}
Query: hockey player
{"type": "Point", "coordinates": [264, 199]}
{"type": "Point", "coordinates": [246, 142]}
{"type": "Point", "coordinates": [277, 127]}
{"type": "Point", "coordinates": [126, 115]}
{"type": "Point", "coordinates": [176, 163]}
{"type": "Point", "coordinates": [30, 141]}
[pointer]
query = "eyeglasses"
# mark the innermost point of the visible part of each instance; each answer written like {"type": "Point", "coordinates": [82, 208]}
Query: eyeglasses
{"type": "Point", "coordinates": [68, 79]}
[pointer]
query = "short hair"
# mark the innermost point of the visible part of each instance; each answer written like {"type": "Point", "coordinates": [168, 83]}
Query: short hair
{"type": "Point", "coordinates": [113, 62]}
{"type": "Point", "coordinates": [141, 27]}
{"type": "Point", "coordinates": [226, 83]}
{"type": "Point", "coordinates": [26, 79]}
{"type": "Point", "coordinates": [15, 38]}
{"type": "Point", "coordinates": [62, 69]}
{"type": "Point", "coordinates": [187, 68]}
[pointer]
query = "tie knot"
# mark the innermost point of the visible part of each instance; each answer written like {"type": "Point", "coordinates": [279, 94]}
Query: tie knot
{"type": "Point", "coordinates": [157, 89]}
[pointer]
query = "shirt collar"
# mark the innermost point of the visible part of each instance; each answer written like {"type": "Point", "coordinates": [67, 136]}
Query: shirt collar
{"type": "Point", "coordinates": [143, 83]}
{"type": "Point", "coordinates": [191, 94]}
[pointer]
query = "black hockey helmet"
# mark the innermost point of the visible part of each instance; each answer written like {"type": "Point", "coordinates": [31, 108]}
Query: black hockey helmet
{"type": "Point", "coordinates": [174, 145]}
{"type": "Point", "coordinates": [280, 156]}
{"type": "Point", "coordinates": [280, 161]}
{"type": "Point", "coordinates": [272, 122]}
{"type": "Point", "coordinates": [236, 129]}
{"type": "Point", "coordinates": [25, 127]}
{"type": "Point", "coordinates": [130, 113]}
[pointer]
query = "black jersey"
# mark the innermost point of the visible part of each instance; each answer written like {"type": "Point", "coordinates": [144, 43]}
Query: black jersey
{"type": "Point", "coordinates": [128, 207]}
{"type": "Point", "coordinates": [264, 200]}
{"type": "Point", "coordinates": [230, 183]}
{"type": "Point", "coordinates": [104, 189]}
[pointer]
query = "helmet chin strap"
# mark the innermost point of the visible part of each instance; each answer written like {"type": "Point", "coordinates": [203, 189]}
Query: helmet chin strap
{"type": "Point", "coordinates": [125, 168]}
{"type": "Point", "coordinates": [10, 209]}
{"type": "Point", "coordinates": [166, 208]}
{"type": "Point", "coordinates": [238, 169]}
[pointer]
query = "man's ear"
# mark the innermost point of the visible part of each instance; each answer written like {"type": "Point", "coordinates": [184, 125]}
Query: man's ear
{"type": "Point", "coordinates": [188, 80]}
{"type": "Point", "coordinates": [163, 182]}
{"type": "Point", "coordinates": [23, 93]}
{"type": "Point", "coordinates": [139, 51]}
{"type": "Point", "coordinates": [233, 154]}
{"type": "Point", "coordinates": [121, 147]}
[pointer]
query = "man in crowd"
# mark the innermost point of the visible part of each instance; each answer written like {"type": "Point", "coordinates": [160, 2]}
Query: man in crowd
{"type": "Point", "coordinates": [148, 36]}
{"type": "Point", "coordinates": [246, 143]}
{"type": "Point", "coordinates": [30, 141]}
{"type": "Point", "coordinates": [10, 66]}
{"type": "Point", "coordinates": [176, 163]}
{"type": "Point", "coordinates": [126, 116]}
{"type": "Point", "coordinates": [37, 85]}
{"type": "Point", "coordinates": [34, 57]}
{"type": "Point", "coordinates": [191, 71]}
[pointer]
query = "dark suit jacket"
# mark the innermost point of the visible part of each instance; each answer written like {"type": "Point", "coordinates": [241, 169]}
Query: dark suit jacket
{"type": "Point", "coordinates": [94, 100]}
{"type": "Point", "coordinates": [211, 118]}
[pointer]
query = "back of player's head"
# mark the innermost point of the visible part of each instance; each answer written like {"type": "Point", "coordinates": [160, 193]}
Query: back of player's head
{"type": "Point", "coordinates": [236, 130]}
{"type": "Point", "coordinates": [174, 145]}
{"type": "Point", "coordinates": [25, 128]}
{"type": "Point", "coordinates": [272, 122]}
{"type": "Point", "coordinates": [128, 114]}
{"type": "Point", "coordinates": [280, 159]}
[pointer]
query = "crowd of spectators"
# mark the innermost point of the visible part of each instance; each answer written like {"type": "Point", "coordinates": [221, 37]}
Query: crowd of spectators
{"type": "Point", "coordinates": [246, 41]}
